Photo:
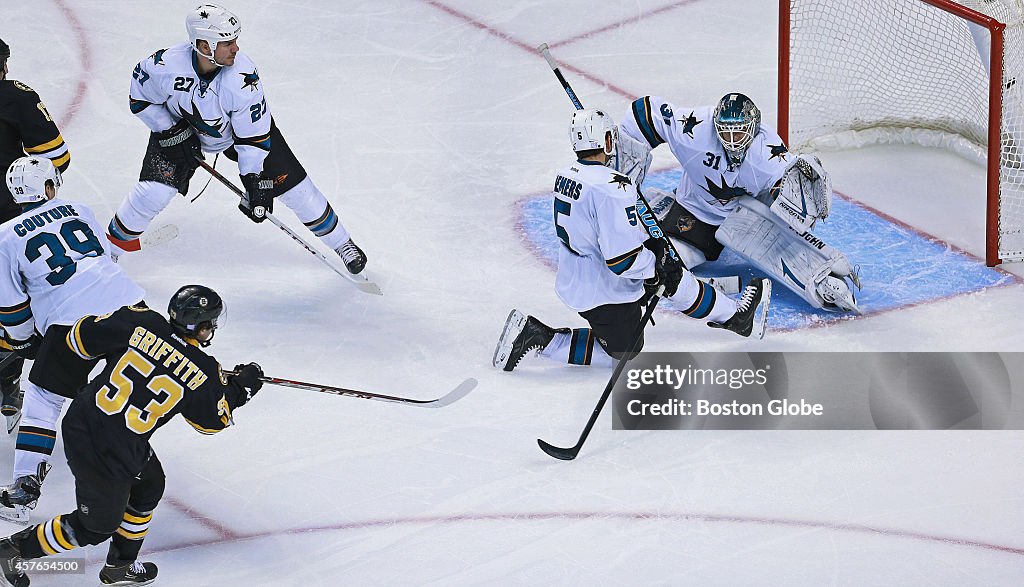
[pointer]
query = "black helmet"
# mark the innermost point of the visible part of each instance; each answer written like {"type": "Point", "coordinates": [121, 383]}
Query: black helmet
{"type": "Point", "coordinates": [5, 52]}
{"type": "Point", "coordinates": [193, 307]}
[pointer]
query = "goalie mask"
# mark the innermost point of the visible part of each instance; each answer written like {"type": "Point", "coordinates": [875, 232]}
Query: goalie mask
{"type": "Point", "coordinates": [213, 24]}
{"type": "Point", "coordinates": [194, 307]}
{"type": "Point", "coordinates": [27, 178]}
{"type": "Point", "coordinates": [737, 122]}
{"type": "Point", "coordinates": [588, 130]}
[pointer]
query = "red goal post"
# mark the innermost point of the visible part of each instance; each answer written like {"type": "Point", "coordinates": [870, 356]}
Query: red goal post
{"type": "Point", "coordinates": [910, 71]}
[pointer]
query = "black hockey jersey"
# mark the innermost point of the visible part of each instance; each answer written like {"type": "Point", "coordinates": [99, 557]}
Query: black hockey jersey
{"type": "Point", "coordinates": [25, 128]}
{"type": "Point", "coordinates": [150, 376]}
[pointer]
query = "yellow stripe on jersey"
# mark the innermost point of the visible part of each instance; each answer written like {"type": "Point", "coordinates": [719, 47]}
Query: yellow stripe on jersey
{"type": "Point", "coordinates": [62, 161]}
{"type": "Point", "coordinates": [74, 339]}
{"type": "Point", "coordinates": [201, 429]}
{"type": "Point", "coordinates": [48, 146]}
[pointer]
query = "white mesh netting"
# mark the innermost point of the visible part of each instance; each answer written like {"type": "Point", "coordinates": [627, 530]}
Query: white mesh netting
{"type": "Point", "coordinates": [883, 71]}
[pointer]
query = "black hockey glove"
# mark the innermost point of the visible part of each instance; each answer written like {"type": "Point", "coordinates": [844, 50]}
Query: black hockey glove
{"type": "Point", "coordinates": [259, 200]}
{"type": "Point", "coordinates": [26, 349]}
{"type": "Point", "coordinates": [248, 378]}
{"type": "Point", "coordinates": [668, 271]}
{"type": "Point", "coordinates": [180, 144]}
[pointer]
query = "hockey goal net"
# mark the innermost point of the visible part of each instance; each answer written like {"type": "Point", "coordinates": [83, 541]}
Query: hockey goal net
{"type": "Point", "coordinates": [943, 73]}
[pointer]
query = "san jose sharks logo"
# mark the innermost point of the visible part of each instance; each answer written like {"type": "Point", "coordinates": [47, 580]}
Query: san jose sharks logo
{"type": "Point", "coordinates": [210, 128]}
{"type": "Point", "coordinates": [689, 123]}
{"type": "Point", "coordinates": [158, 57]}
{"type": "Point", "coordinates": [779, 151]}
{"type": "Point", "coordinates": [249, 80]}
{"type": "Point", "coordinates": [723, 193]}
{"type": "Point", "coordinates": [621, 181]}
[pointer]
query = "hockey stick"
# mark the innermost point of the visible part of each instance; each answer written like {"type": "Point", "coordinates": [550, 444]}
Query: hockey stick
{"type": "Point", "coordinates": [360, 280]}
{"type": "Point", "coordinates": [568, 454]}
{"type": "Point", "coordinates": [449, 398]}
{"type": "Point", "coordinates": [648, 218]}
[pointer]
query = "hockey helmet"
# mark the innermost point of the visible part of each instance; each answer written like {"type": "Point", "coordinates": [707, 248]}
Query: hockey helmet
{"type": "Point", "coordinates": [27, 178]}
{"type": "Point", "coordinates": [588, 130]}
{"type": "Point", "coordinates": [737, 122]}
{"type": "Point", "coordinates": [194, 307]}
{"type": "Point", "coordinates": [213, 24]}
{"type": "Point", "coordinates": [5, 53]}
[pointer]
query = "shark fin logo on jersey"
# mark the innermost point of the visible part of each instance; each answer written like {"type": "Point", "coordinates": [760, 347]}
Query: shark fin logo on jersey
{"type": "Point", "coordinates": [779, 151]}
{"type": "Point", "coordinates": [666, 113]}
{"type": "Point", "coordinates": [620, 180]}
{"type": "Point", "coordinates": [249, 80]}
{"type": "Point", "coordinates": [725, 192]}
{"type": "Point", "coordinates": [689, 123]}
{"type": "Point", "coordinates": [209, 128]}
{"type": "Point", "coordinates": [158, 57]}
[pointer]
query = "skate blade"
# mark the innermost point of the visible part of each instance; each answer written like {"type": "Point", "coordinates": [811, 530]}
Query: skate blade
{"type": "Point", "coordinates": [18, 514]}
{"type": "Point", "coordinates": [761, 313]}
{"type": "Point", "coordinates": [514, 325]}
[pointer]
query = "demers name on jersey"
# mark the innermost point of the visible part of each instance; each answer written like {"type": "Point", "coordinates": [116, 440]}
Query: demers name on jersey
{"type": "Point", "coordinates": [568, 187]}
{"type": "Point", "coordinates": [157, 348]}
{"type": "Point", "coordinates": [42, 219]}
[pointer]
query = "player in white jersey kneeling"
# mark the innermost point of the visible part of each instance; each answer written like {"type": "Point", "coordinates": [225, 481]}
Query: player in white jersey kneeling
{"type": "Point", "coordinates": [205, 95]}
{"type": "Point", "coordinates": [608, 267]}
{"type": "Point", "coordinates": [55, 271]}
{"type": "Point", "coordinates": [741, 188]}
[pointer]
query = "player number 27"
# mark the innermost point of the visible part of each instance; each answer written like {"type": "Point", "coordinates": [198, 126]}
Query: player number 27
{"type": "Point", "coordinates": [113, 398]}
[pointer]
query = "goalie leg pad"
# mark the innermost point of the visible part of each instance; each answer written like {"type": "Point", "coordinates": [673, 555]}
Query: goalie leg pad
{"type": "Point", "coordinates": [802, 262]}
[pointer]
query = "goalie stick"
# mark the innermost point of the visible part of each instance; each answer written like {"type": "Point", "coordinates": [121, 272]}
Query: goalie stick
{"type": "Point", "coordinates": [447, 399]}
{"type": "Point", "coordinates": [568, 454]}
{"type": "Point", "coordinates": [360, 280]}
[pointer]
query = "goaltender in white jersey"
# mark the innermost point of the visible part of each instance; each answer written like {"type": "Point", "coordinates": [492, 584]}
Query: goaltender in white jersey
{"type": "Point", "coordinates": [55, 271]}
{"type": "Point", "coordinates": [742, 188]}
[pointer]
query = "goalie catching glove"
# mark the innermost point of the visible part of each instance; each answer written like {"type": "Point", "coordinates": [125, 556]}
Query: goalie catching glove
{"type": "Point", "coordinates": [804, 194]}
{"type": "Point", "coordinates": [668, 270]}
{"type": "Point", "coordinates": [259, 200]}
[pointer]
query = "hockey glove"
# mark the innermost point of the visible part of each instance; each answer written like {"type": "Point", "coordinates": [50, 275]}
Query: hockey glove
{"type": "Point", "coordinates": [668, 271]}
{"type": "Point", "coordinates": [180, 144]}
{"type": "Point", "coordinates": [26, 349]}
{"type": "Point", "coordinates": [248, 378]}
{"type": "Point", "coordinates": [259, 200]}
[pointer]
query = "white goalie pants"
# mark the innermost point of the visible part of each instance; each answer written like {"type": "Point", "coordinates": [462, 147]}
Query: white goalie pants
{"type": "Point", "coordinates": [148, 198]}
{"type": "Point", "coordinates": [37, 432]}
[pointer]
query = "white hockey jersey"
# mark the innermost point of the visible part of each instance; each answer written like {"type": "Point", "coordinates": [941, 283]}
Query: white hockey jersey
{"type": "Point", "coordinates": [56, 270]}
{"type": "Point", "coordinates": [602, 259]}
{"type": "Point", "coordinates": [226, 108]}
{"type": "Point", "coordinates": [709, 185]}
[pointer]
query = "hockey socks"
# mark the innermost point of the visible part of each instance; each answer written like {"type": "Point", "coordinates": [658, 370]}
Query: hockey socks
{"type": "Point", "coordinates": [578, 347]}
{"type": "Point", "coordinates": [703, 301]}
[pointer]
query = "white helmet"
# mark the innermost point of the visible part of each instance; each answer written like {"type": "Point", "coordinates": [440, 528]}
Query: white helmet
{"type": "Point", "coordinates": [588, 130]}
{"type": "Point", "coordinates": [213, 24]}
{"type": "Point", "coordinates": [27, 177]}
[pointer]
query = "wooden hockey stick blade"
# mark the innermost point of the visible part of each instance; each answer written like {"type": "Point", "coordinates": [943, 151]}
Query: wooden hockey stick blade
{"type": "Point", "coordinates": [562, 454]}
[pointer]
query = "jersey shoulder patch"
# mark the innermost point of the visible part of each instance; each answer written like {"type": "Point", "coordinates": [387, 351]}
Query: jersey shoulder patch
{"type": "Point", "coordinates": [22, 86]}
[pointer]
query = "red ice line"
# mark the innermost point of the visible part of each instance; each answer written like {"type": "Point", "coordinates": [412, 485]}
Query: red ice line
{"type": "Point", "coordinates": [85, 58]}
{"type": "Point", "coordinates": [225, 535]}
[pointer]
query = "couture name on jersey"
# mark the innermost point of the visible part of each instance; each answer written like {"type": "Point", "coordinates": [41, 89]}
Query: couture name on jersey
{"type": "Point", "coordinates": [157, 348]}
{"type": "Point", "coordinates": [43, 218]}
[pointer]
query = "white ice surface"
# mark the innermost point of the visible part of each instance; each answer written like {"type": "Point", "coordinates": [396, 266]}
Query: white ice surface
{"type": "Point", "coordinates": [424, 128]}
